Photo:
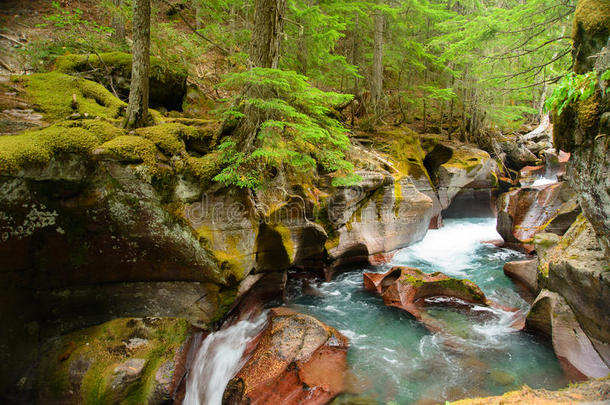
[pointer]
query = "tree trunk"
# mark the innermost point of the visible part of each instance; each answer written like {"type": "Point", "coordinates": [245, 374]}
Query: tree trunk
{"type": "Point", "coordinates": [267, 33]}
{"type": "Point", "coordinates": [377, 77]}
{"type": "Point", "coordinates": [425, 104]}
{"type": "Point", "coordinates": [118, 21]}
{"type": "Point", "coordinates": [450, 128]}
{"type": "Point", "coordinates": [197, 5]}
{"type": "Point", "coordinates": [137, 110]}
{"type": "Point", "coordinates": [267, 37]}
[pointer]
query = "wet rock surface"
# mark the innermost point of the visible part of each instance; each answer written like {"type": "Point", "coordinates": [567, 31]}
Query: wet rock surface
{"type": "Point", "coordinates": [524, 212]}
{"type": "Point", "coordinates": [298, 359]}
{"type": "Point", "coordinates": [552, 315]}
{"type": "Point", "coordinates": [525, 274]}
{"type": "Point", "coordinates": [577, 269]}
{"type": "Point", "coordinates": [406, 287]}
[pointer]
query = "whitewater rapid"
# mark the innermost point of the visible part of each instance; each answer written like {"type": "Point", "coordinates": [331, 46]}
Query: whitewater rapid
{"type": "Point", "coordinates": [219, 358]}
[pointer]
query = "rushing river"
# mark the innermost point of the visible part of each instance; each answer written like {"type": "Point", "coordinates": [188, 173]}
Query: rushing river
{"type": "Point", "coordinates": [394, 359]}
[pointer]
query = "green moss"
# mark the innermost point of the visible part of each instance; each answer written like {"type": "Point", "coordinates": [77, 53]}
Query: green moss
{"type": "Point", "coordinates": [37, 147]}
{"type": "Point", "coordinates": [104, 346]}
{"type": "Point", "coordinates": [203, 168]}
{"type": "Point", "coordinates": [131, 148]}
{"type": "Point", "coordinates": [467, 159]}
{"type": "Point", "coordinates": [166, 137]}
{"type": "Point", "coordinates": [53, 95]}
{"type": "Point", "coordinates": [169, 137]}
{"type": "Point", "coordinates": [286, 235]}
{"type": "Point", "coordinates": [225, 251]}
{"type": "Point", "coordinates": [116, 61]}
{"type": "Point", "coordinates": [593, 16]}
{"type": "Point", "coordinates": [588, 112]}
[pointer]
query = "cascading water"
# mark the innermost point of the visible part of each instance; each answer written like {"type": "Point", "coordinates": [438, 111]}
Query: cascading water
{"type": "Point", "coordinates": [394, 358]}
{"type": "Point", "coordinates": [219, 358]}
{"type": "Point", "coordinates": [544, 181]}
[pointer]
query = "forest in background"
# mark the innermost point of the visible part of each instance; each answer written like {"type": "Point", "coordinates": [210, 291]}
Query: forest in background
{"type": "Point", "coordinates": [451, 66]}
{"type": "Point", "coordinates": [468, 70]}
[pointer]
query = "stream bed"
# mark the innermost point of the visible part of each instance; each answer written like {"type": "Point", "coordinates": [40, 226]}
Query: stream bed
{"type": "Point", "coordinates": [395, 360]}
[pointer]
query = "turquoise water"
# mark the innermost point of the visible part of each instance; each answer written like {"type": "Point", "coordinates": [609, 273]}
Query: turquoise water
{"type": "Point", "coordinates": [394, 359]}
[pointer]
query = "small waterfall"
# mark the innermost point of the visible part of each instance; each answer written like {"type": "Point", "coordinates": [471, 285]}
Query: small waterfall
{"type": "Point", "coordinates": [543, 181]}
{"type": "Point", "coordinates": [219, 358]}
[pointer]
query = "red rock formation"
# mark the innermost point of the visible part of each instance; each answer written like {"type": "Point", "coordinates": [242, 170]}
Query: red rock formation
{"type": "Point", "coordinates": [527, 211]}
{"type": "Point", "coordinates": [406, 287]}
{"type": "Point", "coordinates": [298, 360]}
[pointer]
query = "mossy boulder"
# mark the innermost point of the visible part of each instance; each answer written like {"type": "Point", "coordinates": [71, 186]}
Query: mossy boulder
{"type": "Point", "coordinates": [58, 96]}
{"type": "Point", "coordinates": [590, 32]}
{"type": "Point", "coordinates": [113, 70]}
{"type": "Point", "coordinates": [583, 128]}
{"type": "Point", "coordinates": [124, 361]}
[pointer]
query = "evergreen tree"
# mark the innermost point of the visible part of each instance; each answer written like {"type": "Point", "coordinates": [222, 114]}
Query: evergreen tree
{"type": "Point", "coordinates": [137, 110]}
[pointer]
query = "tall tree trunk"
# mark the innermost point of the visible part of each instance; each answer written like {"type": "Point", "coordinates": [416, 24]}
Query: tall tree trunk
{"type": "Point", "coordinates": [354, 61]}
{"type": "Point", "coordinates": [441, 117]}
{"type": "Point", "coordinates": [197, 5]}
{"type": "Point", "coordinates": [266, 40]}
{"type": "Point", "coordinates": [137, 110]}
{"type": "Point", "coordinates": [425, 104]}
{"type": "Point", "coordinates": [118, 21]}
{"type": "Point", "coordinates": [267, 33]}
{"type": "Point", "coordinates": [450, 127]}
{"type": "Point", "coordinates": [377, 76]}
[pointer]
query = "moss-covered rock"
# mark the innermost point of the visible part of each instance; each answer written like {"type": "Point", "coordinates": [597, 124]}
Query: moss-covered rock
{"type": "Point", "coordinates": [124, 361]}
{"type": "Point", "coordinates": [58, 96]}
{"type": "Point", "coordinates": [590, 32]}
{"type": "Point", "coordinates": [167, 84]}
{"type": "Point", "coordinates": [406, 287]}
{"type": "Point", "coordinates": [36, 148]}
{"type": "Point", "coordinates": [582, 128]}
{"type": "Point", "coordinates": [590, 391]}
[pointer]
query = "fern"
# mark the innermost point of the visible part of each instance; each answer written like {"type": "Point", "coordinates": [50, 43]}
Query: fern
{"type": "Point", "coordinates": [571, 88]}
{"type": "Point", "coordinates": [295, 132]}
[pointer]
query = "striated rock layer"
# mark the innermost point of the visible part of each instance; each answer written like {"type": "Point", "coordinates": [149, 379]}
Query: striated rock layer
{"type": "Point", "coordinates": [524, 212]}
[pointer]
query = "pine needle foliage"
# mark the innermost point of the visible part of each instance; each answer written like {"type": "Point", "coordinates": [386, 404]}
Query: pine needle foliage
{"type": "Point", "coordinates": [294, 130]}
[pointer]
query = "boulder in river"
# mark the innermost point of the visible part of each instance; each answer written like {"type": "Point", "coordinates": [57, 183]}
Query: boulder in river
{"type": "Point", "coordinates": [406, 287]}
{"type": "Point", "coordinates": [298, 359]}
{"type": "Point", "coordinates": [525, 274]}
{"type": "Point", "coordinates": [413, 291]}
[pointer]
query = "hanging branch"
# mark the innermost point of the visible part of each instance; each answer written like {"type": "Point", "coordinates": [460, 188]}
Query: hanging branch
{"type": "Point", "coordinates": [506, 55]}
{"type": "Point", "coordinates": [199, 34]}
